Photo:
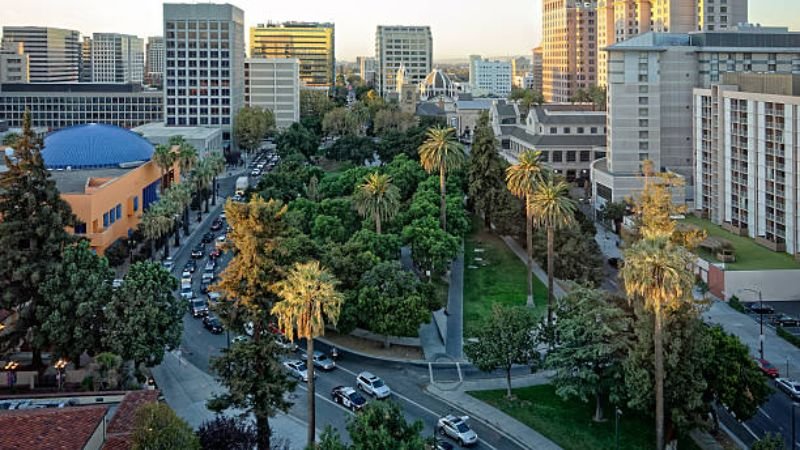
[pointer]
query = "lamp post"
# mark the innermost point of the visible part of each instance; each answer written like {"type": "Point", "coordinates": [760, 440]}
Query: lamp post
{"type": "Point", "coordinates": [761, 320]}
{"type": "Point", "coordinates": [60, 366]}
{"type": "Point", "coordinates": [617, 414]}
{"type": "Point", "coordinates": [794, 434]}
{"type": "Point", "coordinates": [11, 375]}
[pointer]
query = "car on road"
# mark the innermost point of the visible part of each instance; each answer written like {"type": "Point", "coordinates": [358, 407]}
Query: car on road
{"type": "Point", "coordinates": [186, 291]}
{"type": "Point", "coordinates": [210, 266]}
{"type": "Point", "coordinates": [212, 324]}
{"type": "Point", "coordinates": [191, 266]}
{"type": "Point", "coordinates": [320, 359]}
{"type": "Point", "coordinates": [372, 385]}
{"type": "Point", "coordinates": [456, 427]}
{"type": "Point", "coordinates": [284, 343]}
{"type": "Point", "coordinates": [784, 320]}
{"type": "Point", "coordinates": [214, 254]}
{"type": "Point", "coordinates": [208, 238]}
{"type": "Point", "coordinates": [198, 307]}
{"type": "Point", "coordinates": [348, 397]}
{"type": "Point", "coordinates": [198, 251]}
{"type": "Point", "coordinates": [168, 263]}
{"type": "Point", "coordinates": [297, 369]}
{"type": "Point", "coordinates": [255, 173]}
{"type": "Point", "coordinates": [760, 308]}
{"type": "Point", "coordinates": [204, 285]}
{"type": "Point", "coordinates": [208, 276]}
{"type": "Point", "coordinates": [767, 368]}
{"type": "Point", "coordinates": [186, 275]}
{"type": "Point", "coordinates": [214, 297]}
{"type": "Point", "coordinates": [790, 387]}
{"type": "Point", "coordinates": [237, 198]}
{"type": "Point", "coordinates": [216, 225]}
{"type": "Point", "coordinates": [221, 240]}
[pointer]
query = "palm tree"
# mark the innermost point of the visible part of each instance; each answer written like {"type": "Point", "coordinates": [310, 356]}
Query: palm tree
{"type": "Point", "coordinates": [180, 197]}
{"type": "Point", "coordinates": [521, 179]}
{"type": "Point", "coordinates": [217, 162]}
{"type": "Point", "coordinates": [157, 221]}
{"type": "Point", "coordinates": [187, 158]}
{"type": "Point", "coordinates": [552, 209]}
{"type": "Point", "coordinates": [309, 299]}
{"type": "Point", "coordinates": [441, 152]}
{"type": "Point", "coordinates": [202, 177]}
{"type": "Point", "coordinates": [164, 158]}
{"type": "Point", "coordinates": [377, 198]}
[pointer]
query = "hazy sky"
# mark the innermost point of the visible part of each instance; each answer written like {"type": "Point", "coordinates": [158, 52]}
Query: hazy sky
{"type": "Point", "coordinates": [460, 27]}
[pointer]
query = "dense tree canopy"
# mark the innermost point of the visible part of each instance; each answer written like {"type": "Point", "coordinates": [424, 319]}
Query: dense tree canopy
{"type": "Point", "coordinates": [251, 126]}
{"type": "Point", "coordinates": [379, 426]}
{"type": "Point", "coordinates": [157, 427]}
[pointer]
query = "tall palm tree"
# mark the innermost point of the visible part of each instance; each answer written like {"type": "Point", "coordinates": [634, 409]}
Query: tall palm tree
{"type": "Point", "coordinates": [552, 209]}
{"type": "Point", "coordinates": [309, 299]}
{"type": "Point", "coordinates": [180, 197]}
{"type": "Point", "coordinates": [164, 158]}
{"type": "Point", "coordinates": [521, 180]}
{"type": "Point", "coordinates": [217, 162]}
{"type": "Point", "coordinates": [187, 158]}
{"type": "Point", "coordinates": [202, 177]}
{"type": "Point", "coordinates": [157, 222]}
{"type": "Point", "coordinates": [377, 198]}
{"type": "Point", "coordinates": [441, 152]}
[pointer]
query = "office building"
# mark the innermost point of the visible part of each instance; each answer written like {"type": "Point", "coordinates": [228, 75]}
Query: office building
{"type": "Point", "coordinates": [274, 84]}
{"type": "Point", "coordinates": [537, 68]}
{"type": "Point", "coordinates": [408, 46]}
{"type": "Point", "coordinates": [526, 81]}
{"type": "Point", "coordinates": [367, 69]}
{"type": "Point", "coordinates": [649, 107]}
{"type": "Point", "coordinates": [204, 77]}
{"type": "Point", "coordinates": [310, 42]}
{"type": "Point", "coordinates": [53, 53]}
{"type": "Point", "coordinates": [204, 139]}
{"type": "Point", "coordinates": [489, 78]}
{"type": "Point", "coordinates": [718, 15]}
{"type": "Point", "coordinates": [520, 66]}
{"type": "Point", "coordinates": [60, 105]}
{"type": "Point", "coordinates": [154, 62]}
{"type": "Point", "coordinates": [746, 154]}
{"type": "Point", "coordinates": [117, 58]}
{"type": "Point", "coordinates": [13, 64]}
{"type": "Point", "coordinates": [569, 47]}
{"type": "Point", "coordinates": [85, 63]}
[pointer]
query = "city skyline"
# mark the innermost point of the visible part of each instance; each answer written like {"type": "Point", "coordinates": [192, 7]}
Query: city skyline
{"type": "Point", "coordinates": [452, 23]}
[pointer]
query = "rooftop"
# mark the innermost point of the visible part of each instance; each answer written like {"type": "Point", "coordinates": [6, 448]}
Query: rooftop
{"type": "Point", "coordinates": [555, 140]}
{"type": "Point", "coordinates": [560, 116]}
{"type": "Point", "coordinates": [776, 40]}
{"type": "Point", "coordinates": [61, 428]}
{"type": "Point", "coordinates": [122, 422]}
{"type": "Point", "coordinates": [159, 129]}
{"type": "Point", "coordinates": [94, 146]}
{"type": "Point", "coordinates": [75, 181]}
{"type": "Point", "coordinates": [62, 88]}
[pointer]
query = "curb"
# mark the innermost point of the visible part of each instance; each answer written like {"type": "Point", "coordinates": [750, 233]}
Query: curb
{"type": "Point", "coordinates": [370, 356]}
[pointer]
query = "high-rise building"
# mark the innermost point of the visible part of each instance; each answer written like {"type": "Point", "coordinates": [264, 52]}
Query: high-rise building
{"type": "Point", "coordinates": [312, 43]}
{"type": "Point", "coordinates": [520, 66]}
{"type": "Point", "coordinates": [85, 63]}
{"type": "Point", "coordinates": [716, 15]}
{"type": "Point", "coordinates": [537, 68]}
{"type": "Point", "coordinates": [13, 64]}
{"type": "Point", "coordinates": [154, 62]}
{"type": "Point", "coordinates": [489, 78]}
{"type": "Point", "coordinates": [117, 58]}
{"type": "Point", "coordinates": [53, 53]}
{"type": "Point", "coordinates": [367, 69]}
{"type": "Point", "coordinates": [408, 46]}
{"type": "Point", "coordinates": [274, 84]}
{"type": "Point", "coordinates": [204, 65]}
{"type": "Point", "coordinates": [569, 43]}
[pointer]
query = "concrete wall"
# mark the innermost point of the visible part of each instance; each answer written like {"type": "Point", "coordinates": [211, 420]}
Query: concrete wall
{"type": "Point", "coordinates": [775, 285]}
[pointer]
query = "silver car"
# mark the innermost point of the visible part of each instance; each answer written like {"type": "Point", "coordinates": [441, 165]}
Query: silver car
{"type": "Point", "coordinates": [372, 385]}
{"type": "Point", "coordinates": [320, 359]}
{"type": "Point", "coordinates": [297, 369]}
{"type": "Point", "coordinates": [456, 428]}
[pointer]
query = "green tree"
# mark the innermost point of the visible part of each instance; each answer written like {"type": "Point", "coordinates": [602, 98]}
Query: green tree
{"type": "Point", "coordinates": [526, 97]}
{"type": "Point", "coordinates": [298, 139]}
{"type": "Point", "coordinates": [179, 198]}
{"type": "Point", "coordinates": [217, 163]}
{"type": "Point", "coordinates": [406, 175]}
{"type": "Point", "coordinates": [32, 236]}
{"type": "Point", "coordinates": [379, 426]}
{"type": "Point", "coordinates": [155, 225]}
{"type": "Point", "coordinates": [144, 302]}
{"type": "Point", "coordinates": [202, 179]}
{"type": "Point", "coordinates": [157, 427]}
{"type": "Point", "coordinates": [593, 336]}
{"type": "Point", "coordinates": [392, 120]}
{"type": "Point", "coordinates": [385, 246]}
{"type": "Point", "coordinates": [485, 170]}
{"type": "Point", "coordinates": [251, 126]}
{"type": "Point", "coordinates": [553, 209]}
{"type": "Point", "coordinates": [227, 433]}
{"type": "Point", "coordinates": [431, 247]}
{"type": "Point", "coordinates": [507, 338]}
{"type": "Point", "coordinates": [327, 228]}
{"type": "Point", "coordinates": [577, 256]}
{"type": "Point", "coordinates": [355, 149]}
{"type": "Point", "coordinates": [314, 103]}
{"type": "Point", "coordinates": [770, 441]}
{"type": "Point", "coordinates": [164, 158]}
{"type": "Point", "coordinates": [75, 292]}
{"type": "Point", "coordinates": [341, 122]}
{"type": "Point", "coordinates": [310, 300]}
{"type": "Point", "coordinates": [598, 97]}
{"type": "Point", "coordinates": [10, 139]}
{"type": "Point", "coordinates": [522, 179]}
{"type": "Point", "coordinates": [377, 198]}
{"type": "Point", "coordinates": [441, 152]}
{"type": "Point", "coordinates": [581, 96]}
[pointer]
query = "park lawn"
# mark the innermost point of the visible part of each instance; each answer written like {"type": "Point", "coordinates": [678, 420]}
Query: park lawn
{"type": "Point", "coordinates": [502, 280]}
{"type": "Point", "coordinates": [749, 255]}
{"type": "Point", "coordinates": [569, 423]}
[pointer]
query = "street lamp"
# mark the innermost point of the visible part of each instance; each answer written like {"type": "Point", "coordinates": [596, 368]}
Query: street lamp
{"type": "Point", "coordinates": [761, 317]}
{"type": "Point", "coordinates": [618, 414]}
{"type": "Point", "coordinates": [60, 366]}
{"type": "Point", "coordinates": [11, 375]}
{"type": "Point", "coordinates": [794, 439]}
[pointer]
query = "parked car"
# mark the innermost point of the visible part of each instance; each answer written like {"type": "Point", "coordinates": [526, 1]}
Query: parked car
{"type": "Point", "coordinates": [208, 277]}
{"type": "Point", "coordinates": [784, 320]}
{"type": "Point", "coordinates": [198, 307]}
{"type": "Point", "coordinates": [186, 275]}
{"type": "Point", "coordinates": [191, 266]}
{"type": "Point", "coordinates": [212, 324]}
{"type": "Point", "coordinates": [214, 297]}
{"type": "Point", "coordinates": [456, 428]}
{"type": "Point", "coordinates": [297, 369]}
{"type": "Point", "coordinates": [216, 225]}
{"type": "Point", "coordinates": [186, 292]}
{"type": "Point", "coordinates": [221, 241]}
{"type": "Point", "coordinates": [372, 385]}
{"type": "Point", "coordinates": [204, 287]}
{"type": "Point", "coordinates": [442, 445]}
{"type": "Point", "coordinates": [198, 251]}
{"type": "Point", "coordinates": [210, 266]}
{"type": "Point", "coordinates": [208, 238]}
{"type": "Point", "coordinates": [767, 368]}
{"type": "Point", "coordinates": [214, 254]}
{"type": "Point", "coordinates": [760, 308]}
{"type": "Point", "coordinates": [285, 343]}
{"type": "Point", "coordinates": [790, 387]}
{"type": "Point", "coordinates": [168, 263]}
{"type": "Point", "coordinates": [320, 359]}
{"type": "Point", "coordinates": [348, 397]}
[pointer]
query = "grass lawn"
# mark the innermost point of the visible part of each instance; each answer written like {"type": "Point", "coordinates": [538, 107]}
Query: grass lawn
{"type": "Point", "coordinates": [501, 280]}
{"type": "Point", "coordinates": [749, 255]}
{"type": "Point", "coordinates": [569, 424]}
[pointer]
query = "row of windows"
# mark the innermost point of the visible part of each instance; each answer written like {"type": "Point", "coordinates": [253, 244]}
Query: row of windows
{"type": "Point", "coordinates": [193, 121]}
{"type": "Point", "coordinates": [112, 216]}
{"type": "Point", "coordinates": [153, 99]}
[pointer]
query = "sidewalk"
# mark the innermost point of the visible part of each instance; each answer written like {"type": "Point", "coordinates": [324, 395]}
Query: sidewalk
{"type": "Point", "coordinates": [186, 389]}
{"type": "Point", "coordinates": [454, 333]}
{"type": "Point", "coordinates": [540, 274]}
{"type": "Point", "coordinates": [456, 395]}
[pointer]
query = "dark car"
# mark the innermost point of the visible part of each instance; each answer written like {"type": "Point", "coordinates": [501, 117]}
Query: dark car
{"type": "Point", "coordinates": [198, 307]}
{"type": "Point", "coordinates": [204, 287]}
{"type": "Point", "coordinates": [760, 308]}
{"type": "Point", "coordinates": [212, 324]}
{"type": "Point", "coordinates": [348, 397]}
{"type": "Point", "coordinates": [766, 367]}
{"type": "Point", "coordinates": [214, 254]}
{"type": "Point", "coordinates": [191, 266]}
{"type": "Point", "coordinates": [783, 320]}
{"type": "Point", "coordinates": [198, 251]}
{"type": "Point", "coordinates": [208, 238]}
{"type": "Point", "coordinates": [216, 225]}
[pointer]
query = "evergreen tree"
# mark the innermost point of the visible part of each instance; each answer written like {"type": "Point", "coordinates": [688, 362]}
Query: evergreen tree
{"type": "Point", "coordinates": [157, 427]}
{"type": "Point", "coordinates": [32, 235]}
{"type": "Point", "coordinates": [485, 172]}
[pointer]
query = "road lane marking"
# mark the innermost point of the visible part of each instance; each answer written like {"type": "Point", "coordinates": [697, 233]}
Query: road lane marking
{"type": "Point", "coordinates": [460, 376]}
{"type": "Point", "coordinates": [324, 398]}
{"type": "Point", "coordinates": [744, 425]}
{"type": "Point", "coordinates": [764, 413]}
{"type": "Point", "coordinates": [430, 371]}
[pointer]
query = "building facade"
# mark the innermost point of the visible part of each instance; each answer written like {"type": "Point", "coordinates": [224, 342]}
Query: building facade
{"type": "Point", "coordinates": [408, 46]}
{"type": "Point", "coordinates": [537, 68]}
{"type": "Point", "coordinates": [746, 153]}
{"type": "Point", "coordinates": [569, 47]}
{"type": "Point", "coordinates": [274, 84]}
{"type": "Point", "coordinates": [154, 61]}
{"type": "Point", "coordinates": [367, 69]}
{"type": "Point", "coordinates": [718, 15]}
{"type": "Point", "coordinates": [54, 53]}
{"type": "Point", "coordinates": [117, 58]}
{"type": "Point", "coordinates": [56, 106]}
{"type": "Point", "coordinates": [85, 63]}
{"type": "Point", "coordinates": [312, 43]}
{"type": "Point", "coordinates": [490, 78]}
{"type": "Point", "coordinates": [204, 139]}
{"type": "Point", "coordinates": [204, 65]}
{"type": "Point", "coordinates": [14, 64]}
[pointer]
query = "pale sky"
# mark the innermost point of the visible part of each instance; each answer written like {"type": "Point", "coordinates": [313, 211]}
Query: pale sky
{"type": "Point", "coordinates": [459, 27]}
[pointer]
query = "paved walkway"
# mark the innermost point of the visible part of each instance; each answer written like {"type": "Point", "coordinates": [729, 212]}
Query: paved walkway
{"type": "Point", "coordinates": [456, 395]}
{"type": "Point", "coordinates": [540, 274]}
{"type": "Point", "coordinates": [454, 338]}
{"type": "Point", "coordinates": [186, 389]}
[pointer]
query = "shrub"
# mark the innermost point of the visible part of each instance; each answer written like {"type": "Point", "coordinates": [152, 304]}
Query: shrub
{"type": "Point", "coordinates": [734, 303]}
{"type": "Point", "coordinates": [117, 252]}
{"type": "Point", "coordinates": [788, 337]}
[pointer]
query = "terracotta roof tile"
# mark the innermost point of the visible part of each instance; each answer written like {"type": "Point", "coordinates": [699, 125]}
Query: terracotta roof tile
{"type": "Point", "coordinates": [122, 422]}
{"type": "Point", "coordinates": [57, 429]}
{"type": "Point", "coordinates": [118, 442]}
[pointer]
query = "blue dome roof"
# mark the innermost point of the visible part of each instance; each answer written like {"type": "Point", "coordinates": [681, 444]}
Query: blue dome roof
{"type": "Point", "coordinates": [94, 146]}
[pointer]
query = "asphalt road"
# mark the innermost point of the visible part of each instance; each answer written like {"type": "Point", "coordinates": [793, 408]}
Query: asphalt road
{"type": "Point", "coordinates": [407, 381]}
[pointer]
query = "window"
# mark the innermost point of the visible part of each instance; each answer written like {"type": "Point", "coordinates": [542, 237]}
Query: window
{"type": "Point", "coordinates": [557, 157]}
{"type": "Point", "coordinates": [567, 130]}
{"type": "Point", "coordinates": [553, 130]}
{"type": "Point", "coordinates": [135, 204]}
{"type": "Point", "coordinates": [580, 130]}
{"type": "Point", "coordinates": [644, 123]}
{"type": "Point", "coordinates": [105, 220]}
{"type": "Point", "coordinates": [586, 156]}
{"type": "Point", "coordinates": [118, 211]}
{"type": "Point", "coordinates": [112, 216]}
{"type": "Point", "coordinates": [570, 156]}
{"type": "Point", "coordinates": [80, 228]}
{"type": "Point", "coordinates": [594, 130]}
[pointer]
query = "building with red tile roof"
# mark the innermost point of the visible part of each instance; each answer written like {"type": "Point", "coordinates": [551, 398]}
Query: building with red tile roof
{"type": "Point", "coordinates": [53, 429]}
